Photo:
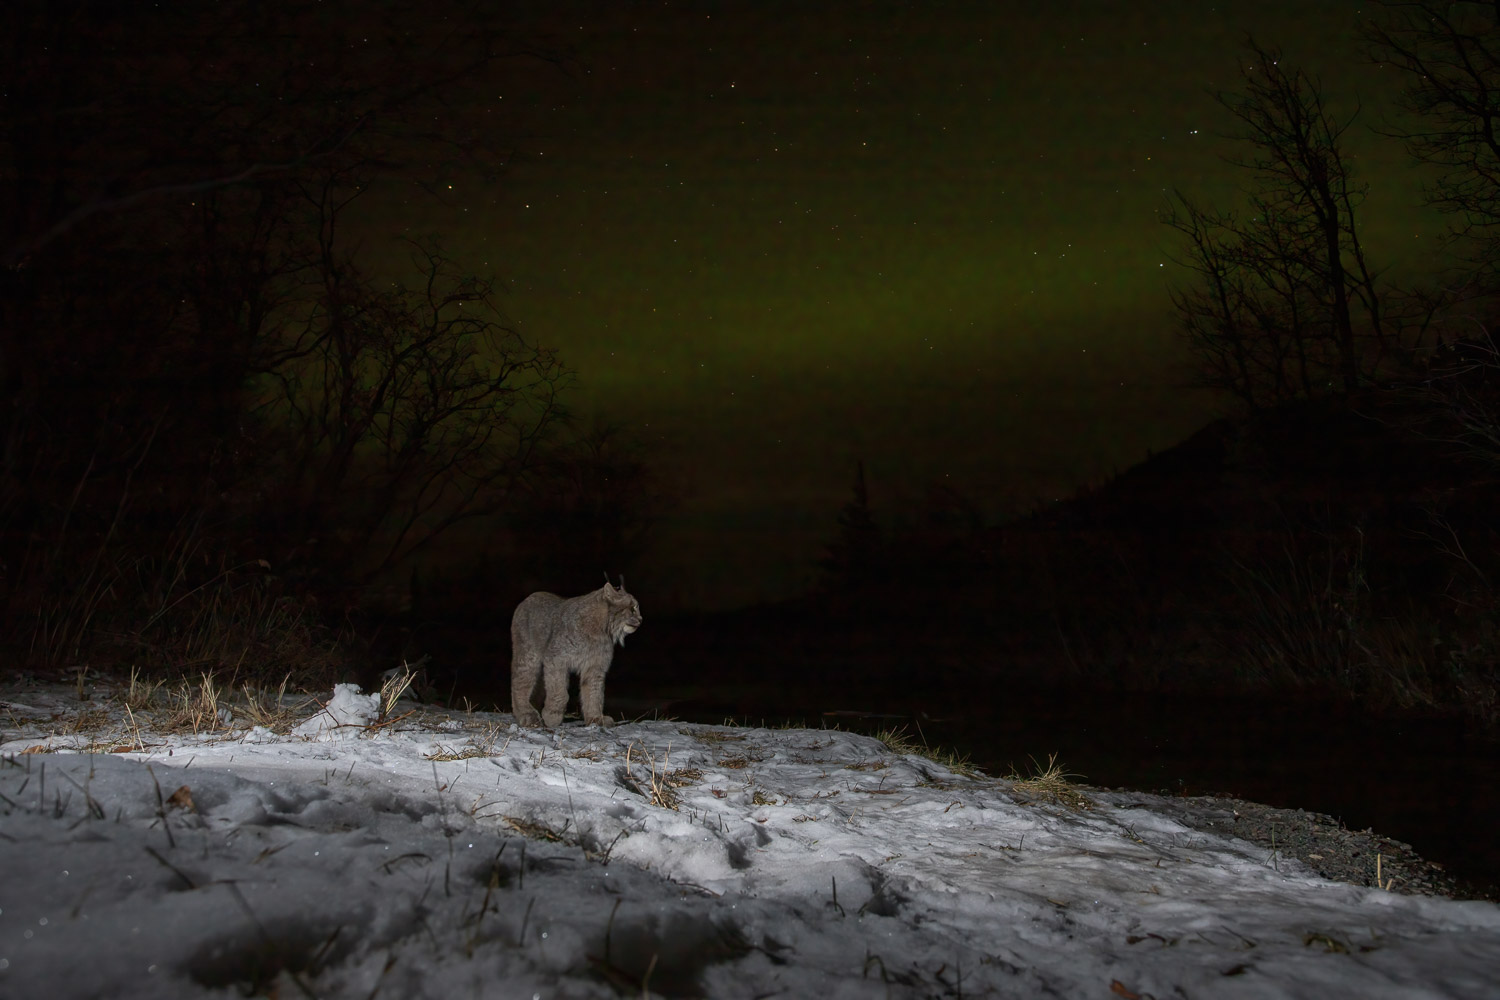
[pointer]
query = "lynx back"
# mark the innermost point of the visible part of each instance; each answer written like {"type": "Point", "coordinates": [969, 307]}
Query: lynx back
{"type": "Point", "coordinates": [553, 637]}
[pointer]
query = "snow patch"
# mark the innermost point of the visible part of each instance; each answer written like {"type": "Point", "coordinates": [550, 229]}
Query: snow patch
{"type": "Point", "coordinates": [344, 717]}
{"type": "Point", "coordinates": [359, 862]}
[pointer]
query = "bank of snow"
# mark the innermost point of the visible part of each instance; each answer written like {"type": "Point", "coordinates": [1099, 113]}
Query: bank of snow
{"type": "Point", "coordinates": [456, 856]}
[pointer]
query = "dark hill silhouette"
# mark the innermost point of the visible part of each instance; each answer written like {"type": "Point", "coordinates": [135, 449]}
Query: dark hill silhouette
{"type": "Point", "coordinates": [1332, 548]}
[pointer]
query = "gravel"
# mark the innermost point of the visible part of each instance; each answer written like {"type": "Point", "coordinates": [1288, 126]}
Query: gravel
{"type": "Point", "coordinates": [1320, 842]}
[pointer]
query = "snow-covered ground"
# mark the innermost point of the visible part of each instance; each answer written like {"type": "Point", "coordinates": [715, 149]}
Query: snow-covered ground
{"type": "Point", "coordinates": [449, 855]}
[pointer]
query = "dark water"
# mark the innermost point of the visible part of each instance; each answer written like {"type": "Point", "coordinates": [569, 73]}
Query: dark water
{"type": "Point", "coordinates": [1427, 782]}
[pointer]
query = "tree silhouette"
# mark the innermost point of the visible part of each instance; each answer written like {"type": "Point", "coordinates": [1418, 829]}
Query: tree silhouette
{"type": "Point", "coordinates": [402, 413]}
{"type": "Point", "coordinates": [189, 355]}
{"type": "Point", "coordinates": [1450, 55]}
{"type": "Point", "coordinates": [588, 507]}
{"type": "Point", "coordinates": [1284, 302]}
{"type": "Point", "coordinates": [855, 557]}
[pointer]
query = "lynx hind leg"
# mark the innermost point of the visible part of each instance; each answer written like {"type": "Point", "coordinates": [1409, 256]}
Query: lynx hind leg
{"type": "Point", "coordinates": [591, 695]}
{"type": "Point", "coordinates": [525, 668]}
{"type": "Point", "coordinates": [555, 680]}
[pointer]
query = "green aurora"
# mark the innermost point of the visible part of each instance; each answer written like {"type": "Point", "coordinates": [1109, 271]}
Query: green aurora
{"type": "Point", "coordinates": [773, 240]}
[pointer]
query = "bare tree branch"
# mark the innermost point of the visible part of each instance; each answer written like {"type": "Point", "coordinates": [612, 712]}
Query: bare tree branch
{"type": "Point", "coordinates": [1283, 302]}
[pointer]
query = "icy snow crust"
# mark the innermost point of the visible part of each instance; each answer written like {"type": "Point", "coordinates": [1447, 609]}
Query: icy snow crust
{"type": "Point", "coordinates": [798, 863]}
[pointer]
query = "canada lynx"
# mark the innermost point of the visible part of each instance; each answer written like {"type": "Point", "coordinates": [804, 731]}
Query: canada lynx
{"type": "Point", "coordinates": [555, 637]}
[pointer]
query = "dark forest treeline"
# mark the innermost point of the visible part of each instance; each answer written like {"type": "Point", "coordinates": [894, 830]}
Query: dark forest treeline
{"type": "Point", "coordinates": [1341, 548]}
{"type": "Point", "coordinates": [221, 437]}
{"type": "Point", "coordinates": [1336, 535]}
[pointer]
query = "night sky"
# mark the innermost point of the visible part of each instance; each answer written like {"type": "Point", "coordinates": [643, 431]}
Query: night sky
{"type": "Point", "coordinates": [773, 239]}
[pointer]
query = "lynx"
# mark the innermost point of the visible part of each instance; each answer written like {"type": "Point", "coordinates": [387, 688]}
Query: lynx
{"type": "Point", "coordinates": [556, 637]}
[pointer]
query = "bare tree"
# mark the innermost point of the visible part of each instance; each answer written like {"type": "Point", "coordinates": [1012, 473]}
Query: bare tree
{"type": "Point", "coordinates": [1450, 56]}
{"type": "Point", "coordinates": [166, 277]}
{"type": "Point", "coordinates": [405, 411]}
{"type": "Point", "coordinates": [1284, 301]}
{"type": "Point", "coordinates": [150, 205]}
{"type": "Point", "coordinates": [1249, 316]}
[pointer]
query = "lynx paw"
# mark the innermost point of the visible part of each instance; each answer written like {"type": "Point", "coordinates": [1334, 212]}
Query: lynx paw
{"type": "Point", "coordinates": [528, 719]}
{"type": "Point", "coordinates": [603, 722]}
{"type": "Point", "coordinates": [552, 721]}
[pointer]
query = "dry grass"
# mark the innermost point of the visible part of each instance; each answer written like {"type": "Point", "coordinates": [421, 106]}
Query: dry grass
{"type": "Point", "coordinates": [1051, 784]}
{"type": "Point", "coordinates": [684, 776]}
{"type": "Point", "coordinates": [196, 707]}
{"type": "Point", "coordinates": [395, 684]}
{"type": "Point", "coordinates": [175, 611]}
{"type": "Point", "coordinates": [658, 788]}
{"type": "Point", "coordinates": [467, 752]}
{"type": "Point", "coordinates": [533, 829]}
{"type": "Point", "coordinates": [1400, 655]}
{"type": "Point", "coordinates": [140, 693]}
{"type": "Point", "coordinates": [714, 736]}
{"type": "Point", "coordinates": [88, 720]}
{"type": "Point", "coordinates": [70, 591]}
{"type": "Point", "coordinates": [234, 620]}
{"type": "Point", "coordinates": [135, 729]}
{"type": "Point", "coordinates": [1386, 884]}
{"type": "Point", "coordinates": [178, 611]}
{"type": "Point", "coordinates": [898, 741]}
{"type": "Point", "coordinates": [207, 704]}
{"type": "Point", "coordinates": [262, 710]}
{"type": "Point", "coordinates": [481, 744]}
{"type": "Point", "coordinates": [115, 744]}
{"type": "Point", "coordinates": [1301, 610]}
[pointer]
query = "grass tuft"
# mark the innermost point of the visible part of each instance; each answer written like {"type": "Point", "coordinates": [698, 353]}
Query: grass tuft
{"type": "Point", "coordinates": [715, 736]}
{"type": "Point", "coordinates": [659, 788]}
{"type": "Point", "coordinates": [140, 693]}
{"type": "Point", "coordinates": [395, 684]}
{"type": "Point", "coordinates": [262, 710]}
{"type": "Point", "coordinates": [1051, 784]}
{"type": "Point", "coordinates": [196, 707]}
{"type": "Point", "coordinates": [899, 741]}
{"type": "Point", "coordinates": [533, 829]}
{"type": "Point", "coordinates": [481, 744]}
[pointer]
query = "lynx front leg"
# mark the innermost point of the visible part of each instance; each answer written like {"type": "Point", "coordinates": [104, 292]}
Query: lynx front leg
{"type": "Point", "coordinates": [591, 694]}
{"type": "Point", "coordinates": [555, 680]}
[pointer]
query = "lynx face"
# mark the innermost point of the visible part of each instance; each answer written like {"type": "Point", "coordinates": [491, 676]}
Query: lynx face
{"type": "Point", "coordinates": [624, 615]}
